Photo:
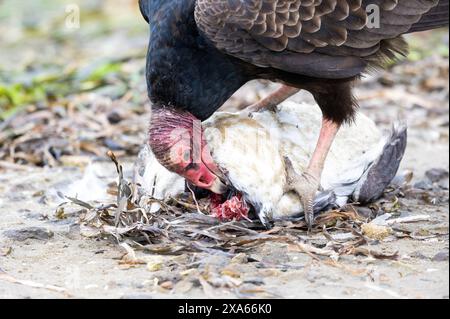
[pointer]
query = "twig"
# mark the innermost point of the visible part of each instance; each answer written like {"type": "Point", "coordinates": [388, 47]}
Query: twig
{"type": "Point", "coordinates": [195, 198]}
{"type": "Point", "coordinates": [409, 219]}
{"type": "Point", "coordinates": [187, 205]}
{"type": "Point", "coordinates": [13, 166]}
{"type": "Point", "coordinates": [8, 278]}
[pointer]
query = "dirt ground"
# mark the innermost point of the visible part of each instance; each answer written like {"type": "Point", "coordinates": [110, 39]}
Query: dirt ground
{"type": "Point", "coordinates": [44, 255]}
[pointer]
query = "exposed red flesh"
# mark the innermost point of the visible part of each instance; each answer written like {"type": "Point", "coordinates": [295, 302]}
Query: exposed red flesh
{"type": "Point", "coordinates": [233, 209]}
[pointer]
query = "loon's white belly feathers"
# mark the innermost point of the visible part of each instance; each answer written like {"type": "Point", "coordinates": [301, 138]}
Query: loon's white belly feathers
{"type": "Point", "coordinates": [252, 151]}
{"type": "Point", "coordinates": [251, 157]}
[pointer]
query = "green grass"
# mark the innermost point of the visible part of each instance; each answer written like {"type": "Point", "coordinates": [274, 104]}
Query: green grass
{"type": "Point", "coordinates": [52, 85]}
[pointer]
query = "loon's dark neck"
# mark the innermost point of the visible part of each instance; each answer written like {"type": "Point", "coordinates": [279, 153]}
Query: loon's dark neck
{"type": "Point", "coordinates": [183, 70]}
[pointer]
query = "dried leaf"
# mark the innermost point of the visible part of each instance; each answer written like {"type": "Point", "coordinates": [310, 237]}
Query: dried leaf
{"type": "Point", "coordinates": [376, 231]}
{"type": "Point", "coordinates": [5, 251]}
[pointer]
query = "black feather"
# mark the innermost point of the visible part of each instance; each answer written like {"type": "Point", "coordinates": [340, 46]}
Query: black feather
{"type": "Point", "coordinates": [202, 51]}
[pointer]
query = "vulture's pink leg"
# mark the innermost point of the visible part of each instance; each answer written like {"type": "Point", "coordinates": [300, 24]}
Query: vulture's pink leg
{"type": "Point", "coordinates": [307, 184]}
{"type": "Point", "coordinates": [273, 99]}
{"type": "Point", "coordinates": [327, 135]}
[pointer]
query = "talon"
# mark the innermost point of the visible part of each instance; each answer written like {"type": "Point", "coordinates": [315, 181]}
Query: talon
{"type": "Point", "coordinates": [308, 205]}
{"type": "Point", "coordinates": [305, 185]}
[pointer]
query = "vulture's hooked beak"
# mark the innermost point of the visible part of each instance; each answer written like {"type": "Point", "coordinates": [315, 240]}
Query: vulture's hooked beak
{"type": "Point", "coordinates": [218, 187]}
{"type": "Point", "coordinates": [219, 182]}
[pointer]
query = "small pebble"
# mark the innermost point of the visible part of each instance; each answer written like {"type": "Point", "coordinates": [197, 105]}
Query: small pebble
{"type": "Point", "coordinates": [444, 184]}
{"type": "Point", "coordinates": [114, 118]}
{"type": "Point", "coordinates": [240, 259]}
{"type": "Point", "coordinates": [423, 185]}
{"type": "Point", "coordinates": [113, 145]}
{"type": "Point", "coordinates": [418, 255]}
{"type": "Point", "coordinates": [365, 212]}
{"type": "Point", "coordinates": [436, 174]}
{"type": "Point", "coordinates": [254, 281]}
{"type": "Point", "coordinates": [168, 285]}
{"type": "Point", "coordinates": [441, 256]}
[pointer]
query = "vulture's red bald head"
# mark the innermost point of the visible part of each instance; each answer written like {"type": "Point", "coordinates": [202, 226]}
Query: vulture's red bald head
{"type": "Point", "coordinates": [176, 138]}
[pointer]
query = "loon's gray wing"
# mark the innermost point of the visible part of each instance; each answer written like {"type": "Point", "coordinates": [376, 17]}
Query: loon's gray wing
{"type": "Point", "coordinates": [366, 181]}
{"type": "Point", "coordinates": [381, 172]}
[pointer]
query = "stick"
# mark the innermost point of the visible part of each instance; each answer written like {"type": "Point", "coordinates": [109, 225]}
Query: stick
{"type": "Point", "coordinates": [8, 278]}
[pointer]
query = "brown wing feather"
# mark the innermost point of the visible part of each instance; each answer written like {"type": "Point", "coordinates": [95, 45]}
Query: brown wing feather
{"type": "Point", "coordinates": [291, 34]}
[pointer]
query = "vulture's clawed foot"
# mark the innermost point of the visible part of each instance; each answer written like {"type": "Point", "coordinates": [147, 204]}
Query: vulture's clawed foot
{"type": "Point", "coordinates": [306, 186]}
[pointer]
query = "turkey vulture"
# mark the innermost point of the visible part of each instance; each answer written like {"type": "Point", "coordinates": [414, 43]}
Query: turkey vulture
{"type": "Point", "coordinates": [202, 51]}
{"type": "Point", "coordinates": [361, 164]}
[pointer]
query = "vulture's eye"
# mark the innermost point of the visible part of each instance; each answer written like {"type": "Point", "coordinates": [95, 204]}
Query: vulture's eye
{"type": "Point", "coordinates": [187, 156]}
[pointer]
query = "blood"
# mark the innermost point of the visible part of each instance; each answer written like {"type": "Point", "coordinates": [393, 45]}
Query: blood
{"type": "Point", "coordinates": [234, 208]}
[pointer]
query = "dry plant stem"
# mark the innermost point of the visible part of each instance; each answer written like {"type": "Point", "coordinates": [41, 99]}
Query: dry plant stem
{"type": "Point", "coordinates": [8, 278]}
{"type": "Point", "coordinates": [187, 205]}
{"type": "Point", "coordinates": [195, 199]}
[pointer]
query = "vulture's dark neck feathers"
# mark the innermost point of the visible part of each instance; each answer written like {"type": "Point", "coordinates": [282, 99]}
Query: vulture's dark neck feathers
{"type": "Point", "coordinates": [184, 71]}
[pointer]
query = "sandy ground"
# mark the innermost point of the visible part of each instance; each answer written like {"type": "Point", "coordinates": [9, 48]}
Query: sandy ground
{"type": "Point", "coordinates": [63, 264]}
{"type": "Point", "coordinates": [42, 256]}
